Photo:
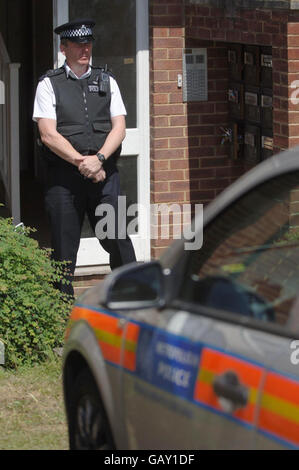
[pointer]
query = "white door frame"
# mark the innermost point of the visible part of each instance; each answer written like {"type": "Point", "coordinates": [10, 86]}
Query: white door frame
{"type": "Point", "coordinates": [136, 141]}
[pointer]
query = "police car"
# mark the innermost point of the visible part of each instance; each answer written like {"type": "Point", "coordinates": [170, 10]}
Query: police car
{"type": "Point", "coordinates": [199, 350]}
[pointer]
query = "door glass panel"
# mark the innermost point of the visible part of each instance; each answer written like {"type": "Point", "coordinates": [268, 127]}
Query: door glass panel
{"type": "Point", "coordinates": [249, 263]}
{"type": "Point", "coordinates": [127, 167]}
{"type": "Point", "coordinates": [115, 43]}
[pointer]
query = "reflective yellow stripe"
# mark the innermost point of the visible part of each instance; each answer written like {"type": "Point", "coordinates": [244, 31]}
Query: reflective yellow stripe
{"type": "Point", "coordinates": [108, 338]}
{"type": "Point", "coordinates": [280, 407]}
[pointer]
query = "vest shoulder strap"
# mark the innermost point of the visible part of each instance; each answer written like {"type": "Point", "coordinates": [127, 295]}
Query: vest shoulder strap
{"type": "Point", "coordinates": [52, 73]}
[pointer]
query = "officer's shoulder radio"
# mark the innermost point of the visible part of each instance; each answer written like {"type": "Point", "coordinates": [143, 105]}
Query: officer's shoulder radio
{"type": "Point", "coordinates": [103, 78]}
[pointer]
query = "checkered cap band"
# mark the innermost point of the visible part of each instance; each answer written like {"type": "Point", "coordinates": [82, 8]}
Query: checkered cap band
{"type": "Point", "coordinates": [83, 31]}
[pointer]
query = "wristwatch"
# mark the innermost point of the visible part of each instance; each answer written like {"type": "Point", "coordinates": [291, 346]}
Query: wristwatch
{"type": "Point", "coordinates": [101, 157]}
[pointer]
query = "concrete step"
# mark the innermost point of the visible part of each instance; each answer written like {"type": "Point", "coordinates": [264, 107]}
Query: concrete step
{"type": "Point", "coordinates": [86, 277]}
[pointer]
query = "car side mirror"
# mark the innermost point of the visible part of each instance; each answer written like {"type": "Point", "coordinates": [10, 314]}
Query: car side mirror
{"type": "Point", "coordinates": [135, 286]}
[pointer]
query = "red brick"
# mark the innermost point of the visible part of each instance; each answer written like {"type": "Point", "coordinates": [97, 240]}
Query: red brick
{"type": "Point", "coordinates": [201, 151]}
{"type": "Point", "coordinates": [213, 140]}
{"type": "Point", "coordinates": [175, 10]}
{"type": "Point", "coordinates": [161, 43]}
{"type": "Point", "coordinates": [160, 165]}
{"type": "Point", "coordinates": [179, 164]}
{"type": "Point", "coordinates": [168, 132]}
{"type": "Point", "coordinates": [180, 142]}
{"type": "Point", "coordinates": [173, 75]}
{"type": "Point", "coordinates": [233, 36]}
{"type": "Point", "coordinates": [158, 121]}
{"type": "Point", "coordinates": [160, 143]}
{"type": "Point", "coordinates": [160, 54]}
{"type": "Point", "coordinates": [214, 183]}
{"type": "Point", "coordinates": [293, 41]}
{"type": "Point", "coordinates": [169, 153]}
{"type": "Point", "coordinates": [176, 32]}
{"type": "Point", "coordinates": [159, 76]}
{"type": "Point", "coordinates": [167, 64]}
{"type": "Point", "coordinates": [202, 11]}
{"type": "Point", "coordinates": [218, 34]}
{"type": "Point", "coordinates": [158, 9]}
{"type": "Point", "coordinates": [293, 117]}
{"type": "Point", "coordinates": [160, 186]}
{"type": "Point", "coordinates": [203, 173]}
{"type": "Point", "coordinates": [176, 97]}
{"type": "Point", "coordinates": [174, 53]}
{"type": "Point", "coordinates": [293, 142]}
{"type": "Point", "coordinates": [160, 32]}
{"type": "Point", "coordinates": [179, 186]}
{"type": "Point", "coordinates": [178, 120]}
{"type": "Point", "coordinates": [293, 130]}
{"type": "Point", "coordinates": [168, 20]}
{"type": "Point", "coordinates": [213, 162]}
{"type": "Point", "coordinates": [293, 28]}
{"type": "Point", "coordinates": [213, 118]}
{"type": "Point", "coordinates": [160, 98]}
{"type": "Point", "coordinates": [271, 28]}
{"type": "Point", "coordinates": [264, 39]}
{"type": "Point", "coordinates": [201, 107]}
{"type": "Point", "coordinates": [169, 197]}
{"type": "Point", "coordinates": [164, 87]}
{"type": "Point", "coordinates": [170, 175]}
{"type": "Point", "coordinates": [281, 116]}
{"type": "Point", "coordinates": [293, 53]}
{"type": "Point", "coordinates": [199, 196]}
{"type": "Point", "coordinates": [212, 23]}
{"type": "Point", "coordinates": [281, 142]}
{"type": "Point", "coordinates": [170, 109]}
{"type": "Point", "coordinates": [294, 66]}
{"type": "Point", "coordinates": [279, 40]}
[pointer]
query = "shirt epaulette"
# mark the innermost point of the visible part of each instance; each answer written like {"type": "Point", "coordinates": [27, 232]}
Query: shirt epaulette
{"type": "Point", "coordinates": [52, 73]}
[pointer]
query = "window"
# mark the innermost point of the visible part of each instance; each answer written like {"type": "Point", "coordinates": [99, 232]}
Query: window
{"type": "Point", "coordinates": [115, 44]}
{"type": "Point", "coordinates": [249, 262]}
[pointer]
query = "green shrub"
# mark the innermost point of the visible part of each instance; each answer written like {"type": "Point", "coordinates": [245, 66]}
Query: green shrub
{"type": "Point", "coordinates": [33, 312]}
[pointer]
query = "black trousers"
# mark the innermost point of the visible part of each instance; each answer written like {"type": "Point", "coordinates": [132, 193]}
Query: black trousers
{"type": "Point", "coordinates": [69, 196]}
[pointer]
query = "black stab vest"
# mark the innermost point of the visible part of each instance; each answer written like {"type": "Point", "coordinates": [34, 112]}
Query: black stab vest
{"type": "Point", "coordinates": [83, 114]}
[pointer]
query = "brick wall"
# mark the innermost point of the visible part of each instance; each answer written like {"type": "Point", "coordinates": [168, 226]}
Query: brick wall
{"type": "Point", "coordinates": [169, 126]}
{"type": "Point", "coordinates": [188, 162]}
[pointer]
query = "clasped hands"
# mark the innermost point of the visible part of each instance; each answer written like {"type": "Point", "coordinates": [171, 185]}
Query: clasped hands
{"type": "Point", "coordinates": [90, 167]}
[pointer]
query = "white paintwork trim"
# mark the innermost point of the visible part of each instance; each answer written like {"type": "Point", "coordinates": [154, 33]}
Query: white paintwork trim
{"type": "Point", "coordinates": [60, 16]}
{"type": "Point", "coordinates": [10, 147]}
{"type": "Point", "coordinates": [135, 143]}
{"type": "Point", "coordinates": [14, 142]}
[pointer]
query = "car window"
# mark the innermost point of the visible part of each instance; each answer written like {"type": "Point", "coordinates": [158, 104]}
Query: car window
{"type": "Point", "coordinates": [249, 262]}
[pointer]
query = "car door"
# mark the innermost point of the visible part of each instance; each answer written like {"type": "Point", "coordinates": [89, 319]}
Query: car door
{"type": "Point", "coordinates": [208, 367]}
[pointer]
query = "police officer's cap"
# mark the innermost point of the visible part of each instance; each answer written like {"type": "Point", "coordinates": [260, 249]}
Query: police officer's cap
{"type": "Point", "coordinates": [76, 31]}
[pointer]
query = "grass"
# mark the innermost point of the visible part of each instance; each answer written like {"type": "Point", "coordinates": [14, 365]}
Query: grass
{"type": "Point", "coordinates": [31, 408]}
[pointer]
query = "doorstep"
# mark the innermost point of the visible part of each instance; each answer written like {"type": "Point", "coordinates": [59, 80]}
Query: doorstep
{"type": "Point", "coordinates": [88, 276]}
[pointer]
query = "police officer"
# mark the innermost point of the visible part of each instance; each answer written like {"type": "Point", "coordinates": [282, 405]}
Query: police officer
{"type": "Point", "coordinates": [81, 121]}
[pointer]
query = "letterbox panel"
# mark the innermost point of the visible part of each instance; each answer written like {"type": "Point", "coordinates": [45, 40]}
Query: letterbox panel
{"type": "Point", "coordinates": [252, 65]}
{"type": "Point", "coordinates": [252, 104]}
{"type": "Point", "coordinates": [251, 144]}
{"type": "Point", "coordinates": [266, 107]}
{"type": "Point", "coordinates": [236, 100]}
{"type": "Point", "coordinates": [266, 66]}
{"type": "Point", "coordinates": [266, 143]}
{"type": "Point", "coordinates": [235, 61]}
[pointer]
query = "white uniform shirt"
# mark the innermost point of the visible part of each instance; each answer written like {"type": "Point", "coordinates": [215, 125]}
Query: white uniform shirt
{"type": "Point", "coordinates": [45, 100]}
